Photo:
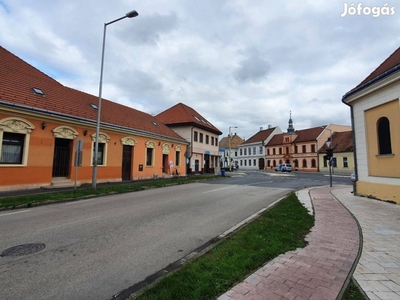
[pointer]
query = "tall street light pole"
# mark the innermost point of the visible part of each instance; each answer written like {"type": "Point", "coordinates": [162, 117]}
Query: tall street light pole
{"type": "Point", "coordinates": [130, 14]}
{"type": "Point", "coordinates": [230, 142]}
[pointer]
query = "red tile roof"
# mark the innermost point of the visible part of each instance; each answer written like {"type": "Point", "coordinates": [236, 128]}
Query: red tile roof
{"type": "Point", "coordinates": [183, 115]}
{"type": "Point", "coordinates": [235, 142]}
{"type": "Point", "coordinates": [260, 136]}
{"type": "Point", "coordinates": [341, 142]}
{"type": "Point", "coordinates": [17, 78]}
{"type": "Point", "coordinates": [390, 65]}
{"type": "Point", "coordinates": [304, 135]}
{"type": "Point", "coordinates": [309, 134]}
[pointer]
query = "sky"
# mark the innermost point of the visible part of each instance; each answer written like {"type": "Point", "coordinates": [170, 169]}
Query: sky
{"type": "Point", "coordinates": [245, 64]}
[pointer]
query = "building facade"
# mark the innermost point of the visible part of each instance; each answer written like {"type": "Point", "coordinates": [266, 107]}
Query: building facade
{"type": "Point", "coordinates": [252, 151]}
{"type": "Point", "coordinates": [202, 155]}
{"type": "Point", "coordinates": [43, 123]}
{"type": "Point", "coordinates": [375, 114]}
{"type": "Point", "coordinates": [343, 154]}
{"type": "Point", "coordinates": [300, 147]}
{"type": "Point", "coordinates": [230, 150]}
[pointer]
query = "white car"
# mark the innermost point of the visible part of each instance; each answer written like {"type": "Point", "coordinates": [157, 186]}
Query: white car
{"type": "Point", "coordinates": [284, 168]}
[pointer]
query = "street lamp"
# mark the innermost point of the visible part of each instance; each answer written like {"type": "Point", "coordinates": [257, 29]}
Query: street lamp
{"type": "Point", "coordinates": [130, 14]}
{"type": "Point", "coordinates": [230, 139]}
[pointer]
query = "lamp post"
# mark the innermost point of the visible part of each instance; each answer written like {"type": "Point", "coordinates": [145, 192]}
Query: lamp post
{"type": "Point", "coordinates": [230, 140]}
{"type": "Point", "coordinates": [130, 14]}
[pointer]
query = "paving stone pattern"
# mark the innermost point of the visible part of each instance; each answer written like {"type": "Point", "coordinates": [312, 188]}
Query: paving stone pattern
{"type": "Point", "coordinates": [318, 271]}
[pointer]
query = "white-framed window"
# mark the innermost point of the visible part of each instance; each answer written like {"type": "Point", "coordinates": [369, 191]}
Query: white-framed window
{"type": "Point", "coordinates": [345, 162]}
{"type": "Point", "coordinates": [14, 141]}
{"type": "Point", "coordinates": [102, 149]}
{"type": "Point", "coordinates": [150, 149]}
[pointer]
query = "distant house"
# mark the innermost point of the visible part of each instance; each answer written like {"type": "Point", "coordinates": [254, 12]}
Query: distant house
{"type": "Point", "coordinates": [230, 149]}
{"type": "Point", "coordinates": [299, 147]}
{"type": "Point", "coordinates": [375, 114]}
{"type": "Point", "coordinates": [41, 122]}
{"type": "Point", "coordinates": [202, 155]}
{"type": "Point", "coordinates": [252, 151]}
{"type": "Point", "coordinates": [343, 153]}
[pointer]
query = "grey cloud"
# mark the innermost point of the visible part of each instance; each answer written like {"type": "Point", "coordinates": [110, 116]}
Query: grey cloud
{"type": "Point", "coordinates": [253, 68]}
{"type": "Point", "coordinates": [148, 29]}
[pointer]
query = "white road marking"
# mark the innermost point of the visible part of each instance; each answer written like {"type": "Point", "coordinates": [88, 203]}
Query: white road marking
{"type": "Point", "coordinates": [15, 212]}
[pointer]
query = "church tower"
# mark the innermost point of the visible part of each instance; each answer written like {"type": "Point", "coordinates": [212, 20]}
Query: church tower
{"type": "Point", "coordinates": [290, 129]}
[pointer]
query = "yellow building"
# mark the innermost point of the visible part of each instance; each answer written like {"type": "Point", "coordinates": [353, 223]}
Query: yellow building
{"type": "Point", "coordinates": [375, 112]}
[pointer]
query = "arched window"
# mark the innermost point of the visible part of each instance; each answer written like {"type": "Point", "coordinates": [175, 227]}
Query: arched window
{"type": "Point", "coordinates": [313, 164]}
{"type": "Point", "coordinates": [304, 163]}
{"type": "Point", "coordinates": [385, 145]}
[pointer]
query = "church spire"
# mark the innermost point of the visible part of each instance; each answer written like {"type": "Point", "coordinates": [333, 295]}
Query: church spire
{"type": "Point", "coordinates": [290, 129]}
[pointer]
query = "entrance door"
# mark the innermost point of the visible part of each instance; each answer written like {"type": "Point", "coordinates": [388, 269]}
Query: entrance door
{"type": "Point", "coordinates": [165, 163]}
{"type": "Point", "coordinates": [126, 162]}
{"type": "Point", "coordinates": [196, 166]}
{"type": "Point", "coordinates": [62, 156]}
{"type": "Point", "coordinates": [261, 163]}
{"type": "Point", "coordinates": [207, 163]}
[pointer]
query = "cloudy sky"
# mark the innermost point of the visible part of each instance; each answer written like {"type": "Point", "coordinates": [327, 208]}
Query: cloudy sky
{"type": "Point", "coordinates": [238, 63]}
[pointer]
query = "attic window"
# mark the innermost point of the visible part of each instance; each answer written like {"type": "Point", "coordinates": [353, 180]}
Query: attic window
{"type": "Point", "coordinates": [154, 123]}
{"type": "Point", "coordinates": [197, 118]}
{"type": "Point", "coordinates": [94, 106]}
{"type": "Point", "coordinates": [38, 91]}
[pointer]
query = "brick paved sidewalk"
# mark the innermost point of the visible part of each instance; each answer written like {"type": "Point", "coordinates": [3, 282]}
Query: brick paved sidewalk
{"type": "Point", "coordinates": [318, 271]}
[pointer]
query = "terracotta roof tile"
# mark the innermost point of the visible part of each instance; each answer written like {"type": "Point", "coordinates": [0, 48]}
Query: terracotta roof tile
{"type": "Point", "coordinates": [17, 78]}
{"type": "Point", "coordinates": [260, 136]}
{"type": "Point", "coordinates": [235, 142]}
{"type": "Point", "coordinates": [390, 63]}
{"type": "Point", "coordinates": [181, 114]}
{"type": "Point", "coordinates": [341, 142]}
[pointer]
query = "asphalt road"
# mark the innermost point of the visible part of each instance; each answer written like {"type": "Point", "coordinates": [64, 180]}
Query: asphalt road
{"type": "Point", "coordinates": [96, 248]}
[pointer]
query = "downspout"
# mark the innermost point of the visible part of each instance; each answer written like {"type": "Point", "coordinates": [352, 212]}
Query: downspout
{"type": "Point", "coordinates": [354, 145]}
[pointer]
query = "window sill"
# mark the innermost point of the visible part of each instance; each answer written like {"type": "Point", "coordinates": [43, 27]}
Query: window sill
{"type": "Point", "coordinates": [384, 155]}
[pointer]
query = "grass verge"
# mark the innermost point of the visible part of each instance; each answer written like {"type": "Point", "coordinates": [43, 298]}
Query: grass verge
{"type": "Point", "coordinates": [52, 196]}
{"type": "Point", "coordinates": [353, 293]}
{"type": "Point", "coordinates": [278, 230]}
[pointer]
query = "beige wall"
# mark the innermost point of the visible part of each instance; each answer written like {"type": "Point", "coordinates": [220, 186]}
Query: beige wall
{"type": "Point", "coordinates": [383, 165]}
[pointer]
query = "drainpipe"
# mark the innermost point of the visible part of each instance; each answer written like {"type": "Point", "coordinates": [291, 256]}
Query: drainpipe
{"type": "Point", "coordinates": [354, 145]}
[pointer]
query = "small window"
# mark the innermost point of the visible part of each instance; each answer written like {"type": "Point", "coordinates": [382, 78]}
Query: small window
{"type": "Point", "coordinates": [201, 138]}
{"type": "Point", "coordinates": [154, 123]}
{"type": "Point", "coordinates": [100, 153]}
{"type": "Point", "coordinates": [195, 137]}
{"type": "Point", "coordinates": [207, 139]}
{"type": "Point", "coordinates": [94, 106]}
{"type": "Point", "coordinates": [345, 162]}
{"type": "Point", "coordinates": [12, 148]}
{"type": "Point", "coordinates": [313, 148]}
{"type": "Point", "coordinates": [304, 148]}
{"type": "Point", "coordinates": [385, 144]}
{"type": "Point", "coordinates": [38, 91]}
{"type": "Point", "coordinates": [177, 158]}
{"type": "Point", "coordinates": [149, 157]}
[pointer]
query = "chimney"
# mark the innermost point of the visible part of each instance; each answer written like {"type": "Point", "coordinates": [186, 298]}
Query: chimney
{"type": "Point", "coordinates": [269, 126]}
{"type": "Point", "coordinates": [261, 128]}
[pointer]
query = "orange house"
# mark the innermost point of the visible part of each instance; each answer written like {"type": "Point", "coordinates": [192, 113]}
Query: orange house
{"type": "Point", "coordinates": [42, 124]}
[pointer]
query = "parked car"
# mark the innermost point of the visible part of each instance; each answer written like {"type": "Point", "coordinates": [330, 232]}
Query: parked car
{"type": "Point", "coordinates": [284, 168]}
